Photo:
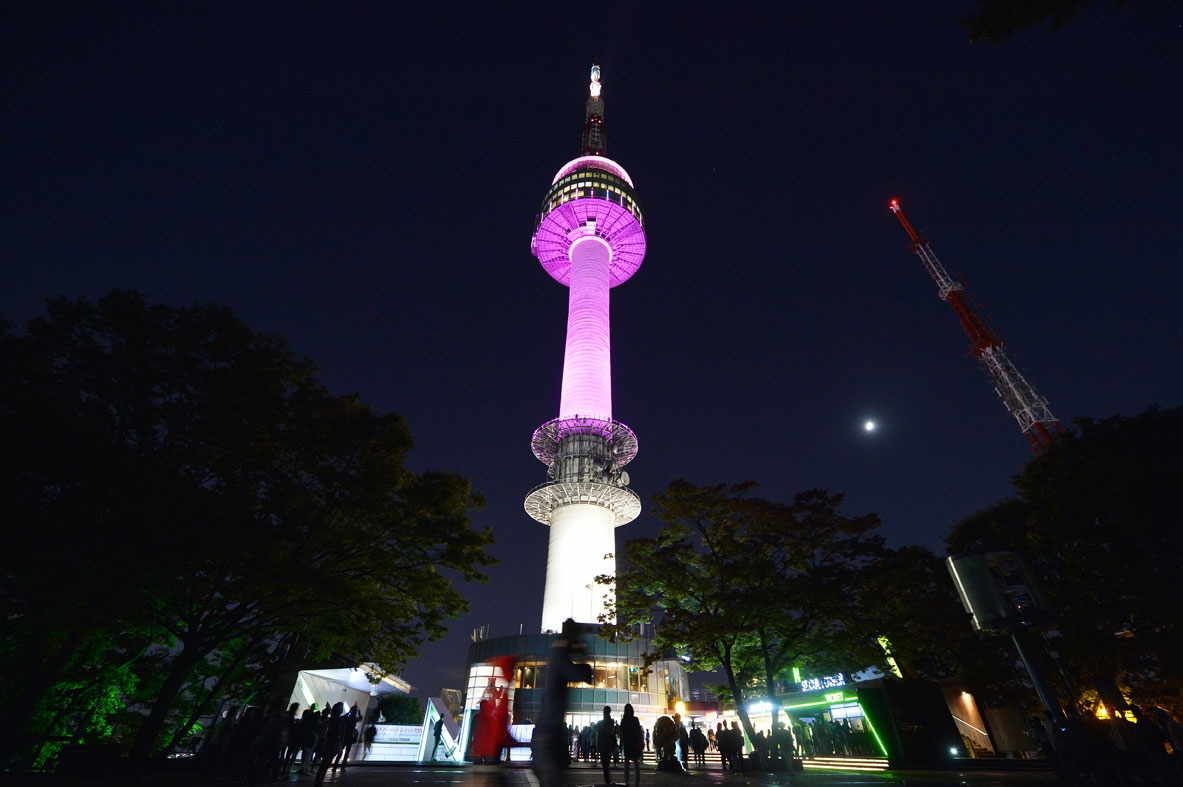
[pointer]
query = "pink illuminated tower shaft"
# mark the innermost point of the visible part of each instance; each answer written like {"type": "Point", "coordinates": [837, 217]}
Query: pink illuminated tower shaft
{"type": "Point", "coordinates": [587, 363]}
{"type": "Point", "coordinates": [590, 237]}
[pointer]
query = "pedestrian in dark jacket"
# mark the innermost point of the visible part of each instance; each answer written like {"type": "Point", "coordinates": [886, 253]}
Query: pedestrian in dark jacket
{"type": "Point", "coordinates": [606, 743]}
{"type": "Point", "coordinates": [307, 736]}
{"type": "Point", "coordinates": [331, 745]}
{"type": "Point", "coordinates": [632, 741]}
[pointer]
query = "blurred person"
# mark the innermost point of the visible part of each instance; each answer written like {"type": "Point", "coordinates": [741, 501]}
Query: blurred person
{"type": "Point", "coordinates": [698, 745]}
{"type": "Point", "coordinates": [683, 742]}
{"type": "Point", "coordinates": [371, 734]}
{"type": "Point", "coordinates": [548, 746]}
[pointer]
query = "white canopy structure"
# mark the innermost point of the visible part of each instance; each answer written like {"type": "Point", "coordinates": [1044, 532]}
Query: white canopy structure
{"type": "Point", "coordinates": [348, 685]}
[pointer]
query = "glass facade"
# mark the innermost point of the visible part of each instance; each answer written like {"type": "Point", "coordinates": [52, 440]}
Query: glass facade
{"type": "Point", "coordinates": [619, 676]}
{"type": "Point", "coordinates": [591, 184]}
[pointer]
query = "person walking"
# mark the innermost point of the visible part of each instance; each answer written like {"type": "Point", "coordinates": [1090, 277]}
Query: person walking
{"type": "Point", "coordinates": [334, 735]}
{"type": "Point", "coordinates": [548, 746]}
{"type": "Point", "coordinates": [698, 744]}
{"type": "Point", "coordinates": [307, 737]}
{"type": "Point", "coordinates": [683, 742]}
{"type": "Point", "coordinates": [371, 733]}
{"type": "Point", "coordinates": [605, 743]}
{"type": "Point", "coordinates": [723, 744]}
{"type": "Point", "coordinates": [632, 741]}
{"type": "Point", "coordinates": [737, 745]}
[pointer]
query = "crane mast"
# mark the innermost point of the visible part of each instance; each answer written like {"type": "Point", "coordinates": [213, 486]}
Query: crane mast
{"type": "Point", "coordinates": [1019, 397]}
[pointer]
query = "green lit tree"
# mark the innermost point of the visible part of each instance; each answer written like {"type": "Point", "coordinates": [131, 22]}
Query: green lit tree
{"type": "Point", "coordinates": [747, 586]}
{"type": "Point", "coordinates": [197, 487]}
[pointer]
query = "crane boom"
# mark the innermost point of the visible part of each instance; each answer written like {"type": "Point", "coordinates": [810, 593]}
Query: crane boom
{"type": "Point", "coordinates": [1020, 398]}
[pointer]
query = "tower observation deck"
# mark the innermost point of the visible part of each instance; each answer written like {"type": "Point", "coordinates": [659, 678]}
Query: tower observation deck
{"type": "Point", "coordinates": [589, 236]}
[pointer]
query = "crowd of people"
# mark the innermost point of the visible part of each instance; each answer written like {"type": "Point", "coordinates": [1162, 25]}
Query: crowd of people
{"type": "Point", "coordinates": [609, 743]}
{"type": "Point", "coordinates": [822, 738]}
{"type": "Point", "coordinates": [264, 746]}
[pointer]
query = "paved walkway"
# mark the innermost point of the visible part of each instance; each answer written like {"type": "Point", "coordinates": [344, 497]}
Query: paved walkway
{"type": "Point", "coordinates": [588, 776]}
{"type": "Point", "coordinates": [581, 775]}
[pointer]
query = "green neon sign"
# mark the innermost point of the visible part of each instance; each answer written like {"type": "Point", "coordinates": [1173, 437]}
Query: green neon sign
{"type": "Point", "coordinates": [806, 705]}
{"type": "Point", "coordinates": [871, 727]}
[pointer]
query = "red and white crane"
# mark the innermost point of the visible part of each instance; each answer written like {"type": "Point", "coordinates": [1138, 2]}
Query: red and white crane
{"type": "Point", "coordinates": [1036, 421]}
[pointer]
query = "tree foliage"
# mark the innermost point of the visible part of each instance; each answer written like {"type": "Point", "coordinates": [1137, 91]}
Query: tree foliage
{"type": "Point", "coordinates": [197, 487]}
{"type": "Point", "coordinates": [749, 586]}
{"type": "Point", "coordinates": [401, 709]}
{"type": "Point", "coordinates": [996, 20]}
{"type": "Point", "coordinates": [1098, 521]}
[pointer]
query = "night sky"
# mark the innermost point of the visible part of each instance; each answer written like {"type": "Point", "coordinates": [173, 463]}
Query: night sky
{"type": "Point", "coordinates": [363, 180]}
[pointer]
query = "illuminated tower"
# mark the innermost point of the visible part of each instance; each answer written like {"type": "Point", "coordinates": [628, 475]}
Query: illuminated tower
{"type": "Point", "coordinates": [590, 237]}
{"type": "Point", "coordinates": [1030, 409]}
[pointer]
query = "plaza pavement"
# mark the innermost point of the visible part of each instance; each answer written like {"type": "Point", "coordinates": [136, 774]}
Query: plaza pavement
{"type": "Point", "coordinates": [578, 775]}
{"type": "Point", "coordinates": [581, 775]}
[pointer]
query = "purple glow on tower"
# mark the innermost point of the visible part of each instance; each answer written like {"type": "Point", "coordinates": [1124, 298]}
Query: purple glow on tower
{"type": "Point", "coordinates": [587, 363]}
{"type": "Point", "coordinates": [571, 211]}
{"type": "Point", "coordinates": [590, 237]}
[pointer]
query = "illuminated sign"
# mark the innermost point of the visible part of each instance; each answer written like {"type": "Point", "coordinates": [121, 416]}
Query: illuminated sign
{"type": "Point", "coordinates": [398, 733]}
{"type": "Point", "coordinates": [828, 682]}
{"type": "Point", "coordinates": [836, 697]}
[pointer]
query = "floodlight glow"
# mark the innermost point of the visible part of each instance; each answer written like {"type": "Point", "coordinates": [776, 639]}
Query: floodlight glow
{"type": "Point", "coordinates": [869, 426]}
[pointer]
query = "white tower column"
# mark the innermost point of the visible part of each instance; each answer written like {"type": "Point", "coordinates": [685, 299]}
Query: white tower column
{"type": "Point", "coordinates": [582, 547]}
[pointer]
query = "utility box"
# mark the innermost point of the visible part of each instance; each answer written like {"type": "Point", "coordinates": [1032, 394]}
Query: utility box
{"type": "Point", "coordinates": [996, 588]}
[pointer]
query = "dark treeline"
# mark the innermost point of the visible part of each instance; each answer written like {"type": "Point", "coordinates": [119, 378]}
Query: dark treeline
{"type": "Point", "coordinates": [192, 516]}
{"type": "Point", "coordinates": [752, 587]}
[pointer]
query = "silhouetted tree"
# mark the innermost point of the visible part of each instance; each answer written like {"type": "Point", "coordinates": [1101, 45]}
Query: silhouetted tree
{"type": "Point", "coordinates": [746, 585]}
{"type": "Point", "coordinates": [1098, 520]}
{"type": "Point", "coordinates": [995, 20]}
{"type": "Point", "coordinates": [180, 479]}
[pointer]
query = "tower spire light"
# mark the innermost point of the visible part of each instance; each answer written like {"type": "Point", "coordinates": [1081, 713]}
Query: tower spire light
{"type": "Point", "coordinates": [594, 140]}
{"type": "Point", "coordinates": [589, 236]}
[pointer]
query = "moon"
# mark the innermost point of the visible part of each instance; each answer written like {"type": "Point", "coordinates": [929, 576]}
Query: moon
{"type": "Point", "coordinates": [869, 426]}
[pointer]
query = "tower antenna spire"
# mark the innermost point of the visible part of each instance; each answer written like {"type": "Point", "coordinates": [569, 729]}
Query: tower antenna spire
{"type": "Point", "coordinates": [1020, 398]}
{"type": "Point", "coordinates": [594, 140]}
